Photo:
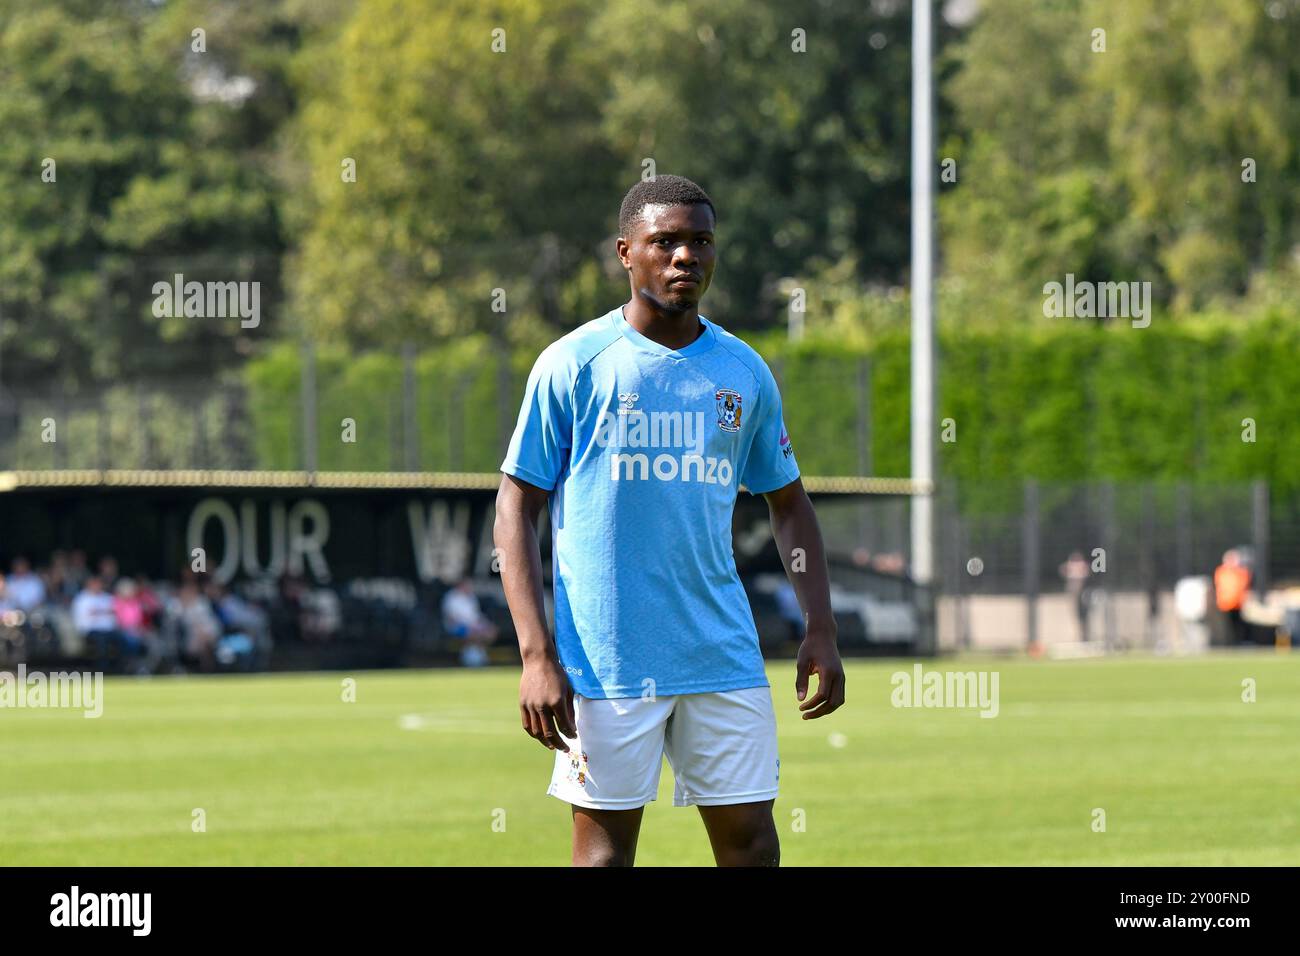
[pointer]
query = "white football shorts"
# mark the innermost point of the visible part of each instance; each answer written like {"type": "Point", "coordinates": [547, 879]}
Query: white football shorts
{"type": "Point", "coordinates": [721, 747]}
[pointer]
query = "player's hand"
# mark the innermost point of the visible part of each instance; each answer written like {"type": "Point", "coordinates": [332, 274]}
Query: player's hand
{"type": "Point", "coordinates": [819, 655]}
{"type": "Point", "coordinates": [546, 704]}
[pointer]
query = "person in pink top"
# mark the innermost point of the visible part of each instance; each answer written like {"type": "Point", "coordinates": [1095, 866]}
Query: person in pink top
{"type": "Point", "coordinates": [128, 608]}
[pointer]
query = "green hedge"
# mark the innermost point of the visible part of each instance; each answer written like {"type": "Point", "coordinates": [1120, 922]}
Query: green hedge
{"type": "Point", "coordinates": [1065, 402]}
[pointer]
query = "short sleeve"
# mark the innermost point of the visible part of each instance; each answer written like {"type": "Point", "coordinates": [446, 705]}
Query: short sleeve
{"type": "Point", "coordinates": [771, 463]}
{"type": "Point", "coordinates": [543, 435]}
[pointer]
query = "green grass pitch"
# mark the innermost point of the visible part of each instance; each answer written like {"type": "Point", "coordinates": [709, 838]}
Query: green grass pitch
{"type": "Point", "coordinates": [432, 768]}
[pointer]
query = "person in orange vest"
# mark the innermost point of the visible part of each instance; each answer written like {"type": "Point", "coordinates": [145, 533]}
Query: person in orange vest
{"type": "Point", "coordinates": [1231, 582]}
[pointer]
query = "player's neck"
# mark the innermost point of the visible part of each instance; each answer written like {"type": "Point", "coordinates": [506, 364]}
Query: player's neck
{"type": "Point", "coordinates": [672, 330]}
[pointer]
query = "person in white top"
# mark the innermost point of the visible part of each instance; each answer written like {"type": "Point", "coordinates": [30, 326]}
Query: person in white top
{"type": "Point", "coordinates": [95, 619]}
{"type": "Point", "coordinates": [26, 589]}
{"type": "Point", "coordinates": [463, 617]}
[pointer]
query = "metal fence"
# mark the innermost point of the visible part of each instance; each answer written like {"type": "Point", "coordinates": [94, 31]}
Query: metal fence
{"type": "Point", "coordinates": [1136, 540]}
{"type": "Point", "coordinates": [1145, 535]}
{"type": "Point", "coordinates": [408, 414]}
{"type": "Point", "coordinates": [1003, 548]}
{"type": "Point", "coordinates": [176, 426]}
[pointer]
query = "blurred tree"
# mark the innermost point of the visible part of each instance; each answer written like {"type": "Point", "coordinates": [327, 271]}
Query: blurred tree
{"type": "Point", "coordinates": [451, 151]}
{"type": "Point", "coordinates": [128, 156]}
{"type": "Point", "coordinates": [1124, 164]}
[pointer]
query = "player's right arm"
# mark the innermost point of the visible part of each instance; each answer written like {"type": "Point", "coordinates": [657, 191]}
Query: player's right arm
{"type": "Point", "coordinates": [538, 452]}
{"type": "Point", "coordinates": [545, 697]}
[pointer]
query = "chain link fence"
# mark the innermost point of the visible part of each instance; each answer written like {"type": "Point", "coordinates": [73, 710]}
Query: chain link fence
{"type": "Point", "coordinates": [332, 411]}
{"type": "Point", "coordinates": [174, 426]}
{"type": "Point", "coordinates": [1022, 562]}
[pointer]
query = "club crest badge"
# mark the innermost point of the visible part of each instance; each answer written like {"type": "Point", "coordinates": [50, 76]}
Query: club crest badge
{"type": "Point", "coordinates": [578, 768]}
{"type": "Point", "coordinates": [728, 402]}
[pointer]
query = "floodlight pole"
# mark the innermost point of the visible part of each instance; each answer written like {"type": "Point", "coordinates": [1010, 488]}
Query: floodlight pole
{"type": "Point", "coordinates": [923, 390]}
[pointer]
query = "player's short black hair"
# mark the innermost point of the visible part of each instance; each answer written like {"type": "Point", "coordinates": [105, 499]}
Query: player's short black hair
{"type": "Point", "coordinates": [666, 190]}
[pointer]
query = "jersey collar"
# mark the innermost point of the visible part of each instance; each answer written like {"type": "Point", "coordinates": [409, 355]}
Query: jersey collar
{"type": "Point", "coordinates": [703, 343]}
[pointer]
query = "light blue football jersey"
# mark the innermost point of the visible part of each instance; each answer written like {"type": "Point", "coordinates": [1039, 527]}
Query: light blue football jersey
{"type": "Point", "coordinates": [644, 449]}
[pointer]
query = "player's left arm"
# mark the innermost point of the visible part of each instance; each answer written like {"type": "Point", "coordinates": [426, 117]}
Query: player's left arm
{"type": "Point", "coordinates": [799, 539]}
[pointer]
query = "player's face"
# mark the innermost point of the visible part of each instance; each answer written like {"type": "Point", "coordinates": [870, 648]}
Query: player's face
{"type": "Point", "coordinates": [670, 246]}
